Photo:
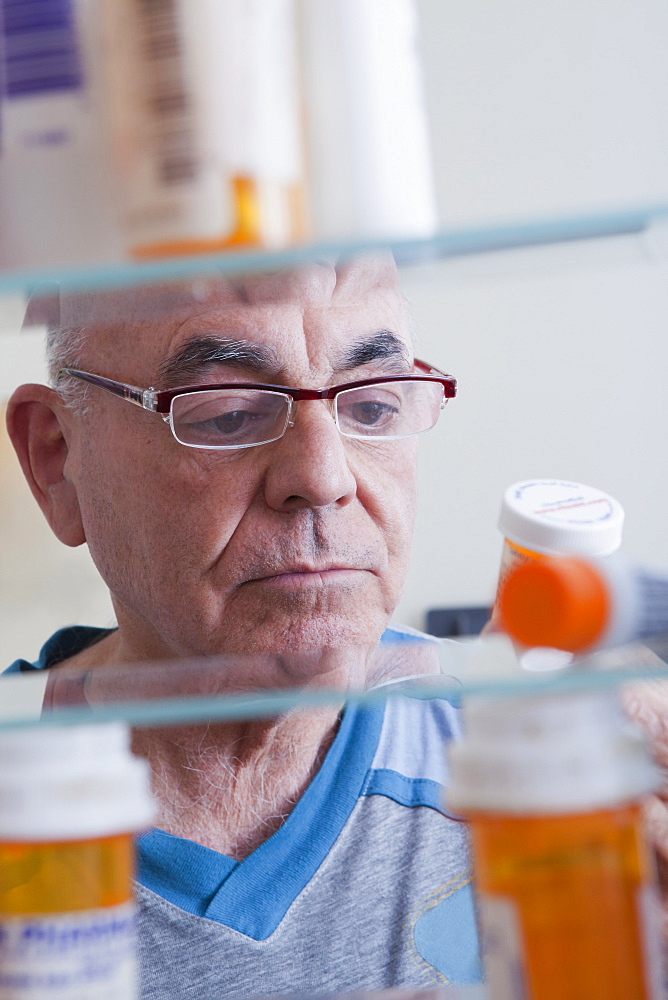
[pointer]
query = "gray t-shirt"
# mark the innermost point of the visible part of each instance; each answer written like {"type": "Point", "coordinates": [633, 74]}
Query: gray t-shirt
{"type": "Point", "coordinates": [365, 886]}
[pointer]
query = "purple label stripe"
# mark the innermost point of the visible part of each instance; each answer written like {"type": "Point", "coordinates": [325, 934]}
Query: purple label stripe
{"type": "Point", "coordinates": [39, 47]}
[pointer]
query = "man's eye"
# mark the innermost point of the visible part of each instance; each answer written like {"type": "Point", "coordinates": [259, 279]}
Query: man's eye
{"type": "Point", "coordinates": [249, 422]}
{"type": "Point", "coordinates": [229, 423]}
{"type": "Point", "coordinates": [370, 414]}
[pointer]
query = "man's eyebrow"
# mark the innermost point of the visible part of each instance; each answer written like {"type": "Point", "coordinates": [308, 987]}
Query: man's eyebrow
{"type": "Point", "coordinates": [383, 346]}
{"type": "Point", "coordinates": [198, 355]}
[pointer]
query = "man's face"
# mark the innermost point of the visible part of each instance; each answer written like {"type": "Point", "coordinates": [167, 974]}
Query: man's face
{"type": "Point", "coordinates": [286, 547]}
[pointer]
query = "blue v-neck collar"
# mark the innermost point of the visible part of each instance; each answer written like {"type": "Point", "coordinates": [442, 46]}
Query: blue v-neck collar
{"type": "Point", "coordinates": [253, 896]}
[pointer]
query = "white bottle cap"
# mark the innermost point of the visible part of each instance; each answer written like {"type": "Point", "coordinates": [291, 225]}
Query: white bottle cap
{"type": "Point", "coordinates": [553, 517]}
{"type": "Point", "coordinates": [71, 783]}
{"type": "Point", "coordinates": [571, 752]}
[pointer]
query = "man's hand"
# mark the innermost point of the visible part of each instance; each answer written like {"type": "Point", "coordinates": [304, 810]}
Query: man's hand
{"type": "Point", "coordinates": [646, 703]}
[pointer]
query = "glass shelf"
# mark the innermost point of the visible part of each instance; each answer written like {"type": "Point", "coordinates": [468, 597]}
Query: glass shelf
{"type": "Point", "coordinates": [189, 692]}
{"type": "Point", "coordinates": [448, 243]}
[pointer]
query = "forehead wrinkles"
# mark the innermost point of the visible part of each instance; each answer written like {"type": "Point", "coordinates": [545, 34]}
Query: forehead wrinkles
{"type": "Point", "coordinates": [151, 303]}
{"type": "Point", "coordinates": [304, 319]}
{"type": "Point", "coordinates": [132, 326]}
{"type": "Point", "coordinates": [126, 329]}
{"type": "Point", "coordinates": [142, 304]}
{"type": "Point", "coordinates": [367, 305]}
{"type": "Point", "coordinates": [322, 282]}
{"type": "Point", "coordinates": [364, 302]}
{"type": "Point", "coordinates": [313, 283]}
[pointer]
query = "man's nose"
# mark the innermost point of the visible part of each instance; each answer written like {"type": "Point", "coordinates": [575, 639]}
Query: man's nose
{"type": "Point", "coordinates": [309, 465]}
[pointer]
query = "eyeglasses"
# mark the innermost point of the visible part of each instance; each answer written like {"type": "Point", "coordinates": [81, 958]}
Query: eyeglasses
{"type": "Point", "coordinates": [228, 415]}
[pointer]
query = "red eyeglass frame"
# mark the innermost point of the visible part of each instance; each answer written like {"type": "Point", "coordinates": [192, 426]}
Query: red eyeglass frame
{"type": "Point", "coordinates": [160, 400]}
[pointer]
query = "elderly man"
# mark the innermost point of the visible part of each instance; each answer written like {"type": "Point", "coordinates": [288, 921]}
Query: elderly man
{"type": "Point", "coordinates": [240, 510]}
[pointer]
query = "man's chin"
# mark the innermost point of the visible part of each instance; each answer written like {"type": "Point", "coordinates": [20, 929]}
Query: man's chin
{"type": "Point", "coordinates": [320, 650]}
{"type": "Point", "coordinates": [307, 618]}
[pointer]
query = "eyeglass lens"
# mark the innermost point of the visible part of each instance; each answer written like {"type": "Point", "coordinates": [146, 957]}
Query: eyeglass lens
{"type": "Point", "coordinates": [389, 409]}
{"type": "Point", "coordinates": [241, 418]}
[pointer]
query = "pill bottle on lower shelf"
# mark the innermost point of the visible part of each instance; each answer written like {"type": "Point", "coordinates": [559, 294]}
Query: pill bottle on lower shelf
{"type": "Point", "coordinates": [552, 787]}
{"type": "Point", "coordinates": [549, 517]}
{"type": "Point", "coordinates": [71, 800]}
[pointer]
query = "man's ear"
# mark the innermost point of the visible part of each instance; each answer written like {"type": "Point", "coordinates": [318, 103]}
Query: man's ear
{"type": "Point", "coordinates": [35, 424]}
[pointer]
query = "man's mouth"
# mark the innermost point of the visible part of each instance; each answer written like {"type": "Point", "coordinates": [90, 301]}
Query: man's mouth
{"type": "Point", "coordinates": [296, 577]}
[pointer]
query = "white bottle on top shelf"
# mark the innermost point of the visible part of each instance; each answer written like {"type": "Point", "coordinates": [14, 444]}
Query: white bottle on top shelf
{"type": "Point", "coordinates": [368, 152]}
{"type": "Point", "coordinates": [56, 202]}
{"type": "Point", "coordinates": [203, 110]}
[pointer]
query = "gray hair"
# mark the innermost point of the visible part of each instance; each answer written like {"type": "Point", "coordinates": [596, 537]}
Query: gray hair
{"type": "Point", "coordinates": [64, 349]}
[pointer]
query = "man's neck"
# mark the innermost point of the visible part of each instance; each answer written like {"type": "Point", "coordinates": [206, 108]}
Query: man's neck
{"type": "Point", "coordinates": [226, 786]}
{"type": "Point", "coordinates": [230, 787]}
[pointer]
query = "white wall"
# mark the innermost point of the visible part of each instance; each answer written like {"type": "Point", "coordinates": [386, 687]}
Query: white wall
{"type": "Point", "coordinates": [543, 107]}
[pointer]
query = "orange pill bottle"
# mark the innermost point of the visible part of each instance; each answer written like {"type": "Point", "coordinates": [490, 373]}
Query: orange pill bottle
{"type": "Point", "coordinates": [567, 903]}
{"type": "Point", "coordinates": [70, 801]}
{"type": "Point", "coordinates": [551, 517]}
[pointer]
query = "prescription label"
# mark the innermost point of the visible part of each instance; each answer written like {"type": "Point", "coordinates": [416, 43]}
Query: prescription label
{"type": "Point", "coordinates": [502, 947]}
{"type": "Point", "coordinates": [89, 955]}
{"type": "Point", "coordinates": [649, 911]}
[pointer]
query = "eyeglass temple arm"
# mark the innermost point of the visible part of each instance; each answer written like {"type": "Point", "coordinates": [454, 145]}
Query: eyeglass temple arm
{"type": "Point", "coordinates": [133, 393]}
{"type": "Point", "coordinates": [429, 369]}
{"type": "Point", "coordinates": [451, 392]}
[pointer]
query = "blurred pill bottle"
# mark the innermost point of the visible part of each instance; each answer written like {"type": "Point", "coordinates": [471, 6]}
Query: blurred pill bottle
{"type": "Point", "coordinates": [203, 109]}
{"type": "Point", "coordinates": [71, 799]}
{"type": "Point", "coordinates": [549, 517]}
{"type": "Point", "coordinates": [566, 888]}
{"type": "Point", "coordinates": [584, 605]}
{"type": "Point", "coordinates": [368, 149]}
{"type": "Point", "coordinates": [56, 185]}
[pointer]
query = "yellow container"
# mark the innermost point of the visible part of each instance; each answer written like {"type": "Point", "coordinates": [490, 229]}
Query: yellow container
{"type": "Point", "coordinates": [575, 891]}
{"type": "Point", "coordinates": [566, 890]}
{"type": "Point", "coordinates": [70, 803]}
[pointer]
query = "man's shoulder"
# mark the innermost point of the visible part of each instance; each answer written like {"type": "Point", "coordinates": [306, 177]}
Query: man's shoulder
{"type": "Point", "coordinates": [396, 632]}
{"type": "Point", "coordinates": [409, 765]}
{"type": "Point", "coordinates": [63, 644]}
{"type": "Point", "coordinates": [72, 639]}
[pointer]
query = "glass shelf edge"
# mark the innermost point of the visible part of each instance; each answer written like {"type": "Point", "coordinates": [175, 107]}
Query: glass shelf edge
{"type": "Point", "coordinates": [230, 708]}
{"type": "Point", "coordinates": [455, 242]}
